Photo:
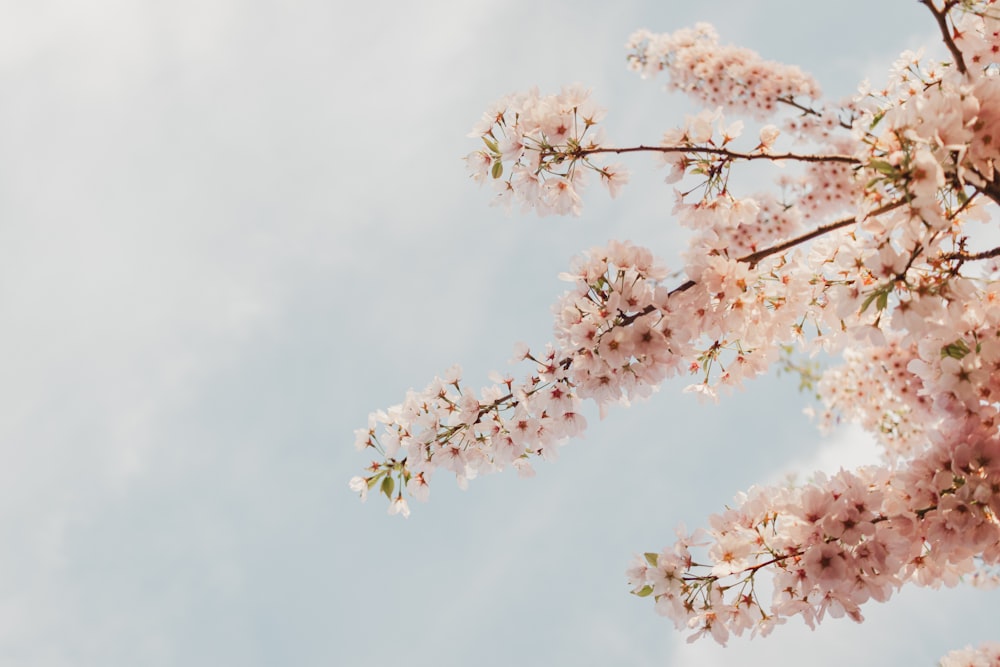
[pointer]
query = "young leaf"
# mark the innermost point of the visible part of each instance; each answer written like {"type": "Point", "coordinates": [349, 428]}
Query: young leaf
{"type": "Point", "coordinates": [957, 350]}
{"type": "Point", "coordinates": [388, 486]}
{"type": "Point", "coordinates": [644, 592]}
{"type": "Point", "coordinates": [868, 301]}
{"type": "Point", "coordinates": [883, 299]}
{"type": "Point", "coordinates": [883, 167]}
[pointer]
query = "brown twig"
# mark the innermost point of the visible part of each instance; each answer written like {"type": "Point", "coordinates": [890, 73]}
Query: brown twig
{"type": "Point", "coordinates": [964, 256]}
{"type": "Point", "coordinates": [990, 187]}
{"type": "Point", "coordinates": [941, 15]}
{"type": "Point", "coordinates": [807, 110]}
{"type": "Point", "coordinates": [755, 257]}
{"type": "Point", "coordinates": [724, 152]}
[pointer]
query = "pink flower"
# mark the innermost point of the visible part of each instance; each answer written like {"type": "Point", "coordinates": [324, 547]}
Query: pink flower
{"type": "Point", "coordinates": [614, 177]}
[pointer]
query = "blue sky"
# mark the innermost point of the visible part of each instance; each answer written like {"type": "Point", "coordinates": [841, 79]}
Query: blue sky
{"type": "Point", "coordinates": [229, 230]}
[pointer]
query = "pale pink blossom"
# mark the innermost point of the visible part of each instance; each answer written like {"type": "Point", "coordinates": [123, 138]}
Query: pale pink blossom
{"type": "Point", "coordinates": [359, 485]}
{"type": "Point", "coordinates": [768, 135]}
{"type": "Point", "coordinates": [399, 506]}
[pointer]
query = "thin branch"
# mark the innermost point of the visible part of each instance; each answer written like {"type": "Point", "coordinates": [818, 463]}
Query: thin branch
{"type": "Point", "coordinates": [964, 256]}
{"type": "Point", "coordinates": [724, 152]}
{"type": "Point", "coordinates": [755, 257]}
{"type": "Point", "coordinates": [987, 186]}
{"type": "Point", "coordinates": [807, 110]}
{"type": "Point", "coordinates": [683, 287]}
{"type": "Point", "coordinates": [941, 15]}
{"type": "Point", "coordinates": [992, 190]}
{"type": "Point", "coordinates": [508, 401]}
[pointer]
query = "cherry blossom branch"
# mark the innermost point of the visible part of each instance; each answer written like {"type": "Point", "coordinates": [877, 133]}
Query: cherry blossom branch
{"type": "Point", "coordinates": [989, 187]}
{"type": "Point", "coordinates": [942, 20]}
{"type": "Point", "coordinates": [807, 110]}
{"type": "Point", "coordinates": [964, 256]}
{"type": "Point", "coordinates": [724, 152]}
{"type": "Point", "coordinates": [992, 190]}
{"type": "Point", "coordinates": [744, 81]}
{"type": "Point", "coordinates": [833, 543]}
{"type": "Point", "coordinates": [755, 257]}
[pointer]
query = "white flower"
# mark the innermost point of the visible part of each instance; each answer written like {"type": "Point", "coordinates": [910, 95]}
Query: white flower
{"type": "Point", "coordinates": [399, 506]}
{"type": "Point", "coordinates": [699, 127]}
{"type": "Point", "coordinates": [418, 488]}
{"type": "Point", "coordinates": [359, 485]}
{"type": "Point", "coordinates": [614, 176]}
{"type": "Point", "coordinates": [768, 135]}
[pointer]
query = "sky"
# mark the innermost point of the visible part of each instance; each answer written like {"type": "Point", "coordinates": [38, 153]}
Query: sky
{"type": "Point", "coordinates": [230, 230]}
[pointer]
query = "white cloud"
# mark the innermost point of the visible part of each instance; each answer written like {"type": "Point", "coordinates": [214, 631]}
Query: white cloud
{"type": "Point", "coordinates": [849, 447]}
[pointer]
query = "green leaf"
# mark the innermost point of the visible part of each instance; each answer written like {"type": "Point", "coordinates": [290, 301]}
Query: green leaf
{"type": "Point", "coordinates": [883, 300]}
{"type": "Point", "coordinates": [880, 295]}
{"type": "Point", "coordinates": [497, 169]}
{"type": "Point", "coordinates": [388, 486]}
{"type": "Point", "coordinates": [492, 145]}
{"type": "Point", "coordinates": [957, 350]}
{"type": "Point", "coordinates": [868, 301]}
{"type": "Point", "coordinates": [644, 592]}
{"type": "Point", "coordinates": [373, 480]}
{"type": "Point", "coordinates": [652, 558]}
{"type": "Point", "coordinates": [883, 167]}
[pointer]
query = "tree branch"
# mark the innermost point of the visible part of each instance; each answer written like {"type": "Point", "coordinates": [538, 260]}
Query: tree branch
{"type": "Point", "coordinates": [941, 15]}
{"type": "Point", "coordinates": [806, 110]}
{"type": "Point", "coordinates": [964, 256]}
{"type": "Point", "coordinates": [724, 152]}
{"type": "Point", "coordinates": [754, 257]}
{"type": "Point", "coordinates": [990, 188]}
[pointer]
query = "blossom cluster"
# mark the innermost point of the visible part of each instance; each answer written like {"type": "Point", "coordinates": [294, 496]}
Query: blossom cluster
{"type": "Point", "coordinates": [732, 77]}
{"type": "Point", "coordinates": [875, 389]}
{"type": "Point", "coordinates": [828, 188]}
{"type": "Point", "coordinates": [619, 333]}
{"type": "Point", "coordinates": [977, 34]}
{"type": "Point", "coordinates": [542, 144]}
{"type": "Point", "coordinates": [451, 427]}
{"type": "Point", "coordinates": [893, 291]}
{"type": "Point", "coordinates": [835, 543]}
{"type": "Point", "coordinates": [773, 221]}
{"type": "Point", "coordinates": [616, 324]}
{"type": "Point", "coordinates": [985, 655]}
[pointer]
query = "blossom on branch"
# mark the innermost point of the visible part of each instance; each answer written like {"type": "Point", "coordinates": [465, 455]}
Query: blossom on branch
{"type": "Point", "coordinates": [833, 544]}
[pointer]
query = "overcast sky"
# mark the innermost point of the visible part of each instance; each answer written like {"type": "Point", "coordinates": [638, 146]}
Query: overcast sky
{"type": "Point", "coordinates": [230, 230]}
